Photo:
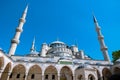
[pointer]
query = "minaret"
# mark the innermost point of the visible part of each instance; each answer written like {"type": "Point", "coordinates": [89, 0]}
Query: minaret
{"type": "Point", "coordinates": [33, 46]}
{"type": "Point", "coordinates": [15, 40]}
{"type": "Point", "coordinates": [104, 49]}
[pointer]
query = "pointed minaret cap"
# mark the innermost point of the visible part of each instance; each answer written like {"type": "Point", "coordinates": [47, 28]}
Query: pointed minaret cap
{"type": "Point", "coordinates": [96, 23]}
{"type": "Point", "coordinates": [94, 18]}
{"type": "Point", "coordinates": [26, 9]}
{"type": "Point", "coordinates": [24, 14]}
{"type": "Point", "coordinates": [33, 46]}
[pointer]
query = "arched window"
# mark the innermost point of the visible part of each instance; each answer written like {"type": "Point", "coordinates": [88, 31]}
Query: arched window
{"type": "Point", "coordinates": [18, 76]}
{"type": "Point", "coordinates": [11, 75]}
{"type": "Point", "coordinates": [32, 76]}
{"type": "Point", "coordinates": [53, 77]}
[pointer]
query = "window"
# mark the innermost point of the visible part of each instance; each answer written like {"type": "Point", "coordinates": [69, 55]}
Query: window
{"type": "Point", "coordinates": [11, 75]}
{"type": "Point", "coordinates": [18, 75]}
{"type": "Point", "coordinates": [53, 76]}
{"type": "Point", "coordinates": [24, 76]}
{"type": "Point", "coordinates": [32, 76]}
{"type": "Point", "coordinates": [46, 76]}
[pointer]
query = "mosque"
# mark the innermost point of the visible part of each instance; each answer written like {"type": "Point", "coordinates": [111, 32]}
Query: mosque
{"type": "Point", "coordinates": [55, 61]}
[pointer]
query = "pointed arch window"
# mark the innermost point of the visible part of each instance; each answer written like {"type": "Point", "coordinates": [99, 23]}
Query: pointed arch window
{"type": "Point", "coordinates": [32, 76]}
{"type": "Point", "coordinates": [46, 76]}
{"type": "Point", "coordinates": [53, 77]}
{"type": "Point", "coordinates": [11, 75]}
{"type": "Point", "coordinates": [18, 76]}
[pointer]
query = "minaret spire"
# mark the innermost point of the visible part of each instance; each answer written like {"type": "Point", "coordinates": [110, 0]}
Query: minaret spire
{"type": "Point", "coordinates": [33, 46]}
{"type": "Point", "coordinates": [104, 49]}
{"type": "Point", "coordinates": [15, 40]}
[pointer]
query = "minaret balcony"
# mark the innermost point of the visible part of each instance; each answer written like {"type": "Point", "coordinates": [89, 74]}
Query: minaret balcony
{"type": "Point", "coordinates": [97, 28]}
{"type": "Point", "coordinates": [15, 41]}
{"type": "Point", "coordinates": [104, 48]}
{"type": "Point", "coordinates": [22, 20]}
{"type": "Point", "coordinates": [100, 37]}
{"type": "Point", "coordinates": [18, 29]}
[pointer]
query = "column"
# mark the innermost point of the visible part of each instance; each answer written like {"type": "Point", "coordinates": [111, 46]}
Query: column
{"type": "Point", "coordinates": [101, 78]}
{"type": "Point", "coordinates": [26, 75]}
{"type": "Point", "coordinates": [74, 77]}
{"type": "Point", "coordinates": [1, 70]}
{"type": "Point", "coordinates": [9, 73]}
{"type": "Point", "coordinates": [58, 76]}
{"type": "Point", "coordinates": [43, 77]}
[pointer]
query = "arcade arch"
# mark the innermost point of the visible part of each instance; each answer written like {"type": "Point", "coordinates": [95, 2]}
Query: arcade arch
{"type": "Point", "coordinates": [106, 74]}
{"type": "Point", "coordinates": [51, 73]}
{"type": "Point", "coordinates": [18, 72]}
{"type": "Point", "coordinates": [35, 73]}
{"type": "Point", "coordinates": [5, 73]}
{"type": "Point", "coordinates": [66, 73]}
{"type": "Point", "coordinates": [116, 70]}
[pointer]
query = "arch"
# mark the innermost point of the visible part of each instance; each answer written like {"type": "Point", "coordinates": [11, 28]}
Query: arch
{"type": "Point", "coordinates": [116, 70]}
{"type": "Point", "coordinates": [5, 73]}
{"type": "Point", "coordinates": [91, 77]}
{"type": "Point", "coordinates": [18, 72]}
{"type": "Point", "coordinates": [66, 73]}
{"type": "Point", "coordinates": [51, 73]}
{"type": "Point", "coordinates": [35, 72]}
{"type": "Point", "coordinates": [106, 74]}
{"type": "Point", "coordinates": [1, 62]}
{"type": "Point", "coordinates": [98, 73]}
{"type": "Point", "coordinates": [78, 73]}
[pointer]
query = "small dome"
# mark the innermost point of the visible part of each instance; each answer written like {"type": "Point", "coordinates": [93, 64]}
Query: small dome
{"type": "Point", "coordinates": [33, 54]}
{"type": "Point", "coordinates": [44, 44]}
{"type": "Point", "coordinates": [118, 60]}
{"type": "Point", "coordinates": [57, 42]}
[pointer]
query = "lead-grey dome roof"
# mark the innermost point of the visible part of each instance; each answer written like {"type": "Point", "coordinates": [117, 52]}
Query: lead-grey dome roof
{"type": "Point", "coordinates": [59, 42]}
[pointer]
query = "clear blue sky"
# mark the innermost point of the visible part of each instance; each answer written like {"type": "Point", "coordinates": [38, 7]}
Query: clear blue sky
{"type": "Point", "coordinates": [69, 20]}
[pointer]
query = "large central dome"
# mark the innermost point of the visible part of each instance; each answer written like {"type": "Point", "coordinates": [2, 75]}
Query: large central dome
{"type": "Point", "coordinates": [57, 42]}
{"type": "Point", "coordinates": [59, 48]}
